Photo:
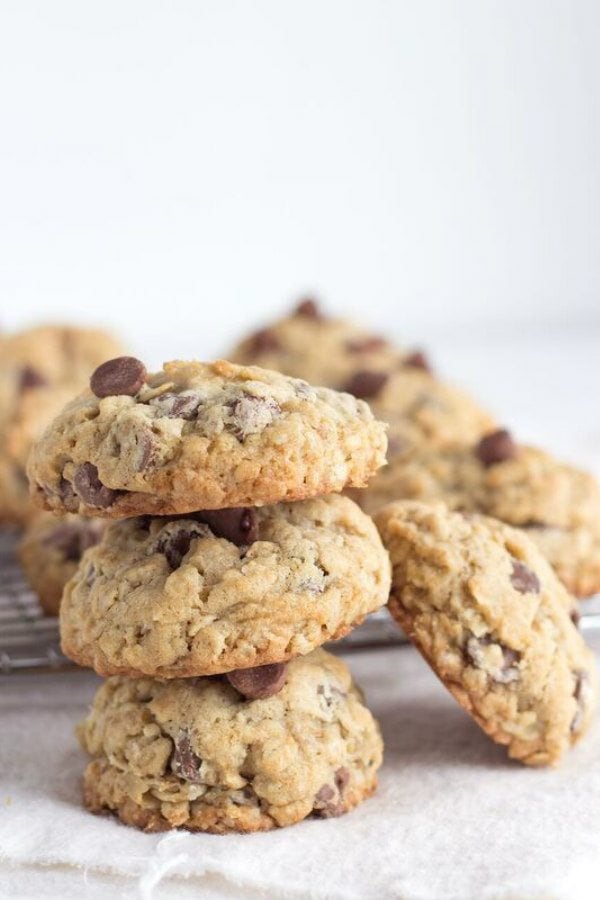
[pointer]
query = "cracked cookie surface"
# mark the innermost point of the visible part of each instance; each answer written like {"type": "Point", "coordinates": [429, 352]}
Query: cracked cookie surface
{"type": "Point", "coordinates": [557, 504]}
{"type": "Point", "coordinates": [202, 436]}
{"type": "Point", "coordinates": [50, 550]}
{"type": "Point", "coordinates": [170, 597]}
{"type": "Point", "coordinates": [195, 754]}
{"type": "Point", "coordinates": [41, 369]}
{"type": "Point", "coordinates": [493, 621]}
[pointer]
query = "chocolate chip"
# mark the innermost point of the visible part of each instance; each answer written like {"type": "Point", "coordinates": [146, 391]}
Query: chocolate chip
{"type": "Point", "coordinates": [145, 450]}
{"type": "Point", "coordinates": [327, 804]}
{"type": "Point", "coordinates": [575, 616]}
{"type": "Point", "coordinates": [31, 378]}
{"type": "Point", "coordinates": [582, 693]}
{"type": "Point", "coordinates": [121, 376]}
{"type": "Point", "coordinates": [72, 539]}
{"type": "Point", "coordinates": [366, 384]}
{"type": "Point", "coordinates": [523, 579]}
{"type": "Point", "coordinates": [417, 360]}
{"type": "Point", "coordinates": [251, 415]}
{"type": "Point", "coordinates": [325, 794]}
{"type": "Point", "coordinates": [88, 486]}
{"type": "Point", "coordinates": [175, 543]}
{"type": "Point", "coordinates": [264, 341]}
{"type": "Point", "coordinates": [308, 308]}
{"type": "Point", "coordinates": [184, 762]}
{"type": "Point", "coordinates": [177, 406]}
{"type": "Point", "coordinates": [496, 447]}
{"type": "Point", "coordinates": [66, 492]}
{"type": "Point", "coordinates": [260, 682]}
{"type": "Point", "coordinates": [238, 525]}
{"type": "Point", "coordinates": [366, 344]}
{"type": "Point", "coordinates": [476, 656]}
{"type": "Point", "coordinates": [342, 778]}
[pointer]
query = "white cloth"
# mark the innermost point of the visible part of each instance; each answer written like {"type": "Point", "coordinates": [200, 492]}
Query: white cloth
{"type": "Point", "coordinates": [452, 818]}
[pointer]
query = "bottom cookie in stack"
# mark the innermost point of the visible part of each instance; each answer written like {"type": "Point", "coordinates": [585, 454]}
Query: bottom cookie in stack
{"type": "Point", "coordinates": [198, 754]}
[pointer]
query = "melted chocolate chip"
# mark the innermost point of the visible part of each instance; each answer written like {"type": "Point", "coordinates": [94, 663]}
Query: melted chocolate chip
{"type": "Point", "coordinates": [366, 344]}
{"type": "Point", "coordinates": [342, 778]}
{"type": "Point", "coordinates": [124, 375]}
{"type": "Point", "coordinates": [581, 694]}
{"type": "Point", "coordinates": [366, 384]}
{"type": "Point", "coordinates": [475, 654]}
{"type": "Point", "coordinates": [145, 450]}
{"type": "Point", "coordinates": [308, 308]}
{"type": "Point", "coordinates": [260, 682]}
{"type": "Point", "coordinates": [523, 579]}
{"type": "Point", "coordinates": [238, 525]}
{"type": "Point", "coordinates": [264, 341]}
{"type": "Point", "coordinates": [496, 447]}
{"type": "Point", "coordinates": [417, 360]}
{"type": "Point", "coordinates": [327, 804]}
{"type": "Point", "coordinates": [575, 616]}
{"type": "Point", "coordinates": [175, 545]}
{"type": "Point", "coordinates": [184, 762]}
{"type": "Point", "coordinates": [31, 378]}
{"type": "Point", "coordinates": [177, 406]}
{"type": "Point", "coordinates": [90, 489]}
{"type": "Point", "coordinates": [251, 415]}
{"type": "Point", "coordinates": [72, 539]}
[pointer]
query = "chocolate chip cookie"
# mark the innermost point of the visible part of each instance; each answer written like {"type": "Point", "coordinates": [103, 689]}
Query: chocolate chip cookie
{"type": "Point", "coordinates": [201, 436]}
{"type": "Point", "coordinates": [41, 369]}
{"type": "Point", "coordinates": [398, 384]}
{"type": "Point", "coordinates": [223, 589]}
{"type": "Point", "coordinates": [557, 504]}
{"type": "Point", "coordinates": [422, 410]}
{"type": "Point", "coordinates": [489, 615]}
{"type": "Point", "coordinates": [50, 550]}
{"type": "Point", "coordinates": [197, 754]}
{"type": "Point", "coordinates": [321, 349]}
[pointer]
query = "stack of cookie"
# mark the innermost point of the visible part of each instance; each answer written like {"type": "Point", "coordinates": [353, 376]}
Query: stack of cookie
{"type": "Point", "coordinates": [230, 560]}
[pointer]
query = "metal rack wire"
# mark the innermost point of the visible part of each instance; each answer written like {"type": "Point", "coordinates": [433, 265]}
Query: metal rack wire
{"type": "Point", "coordinates": [29, 640]}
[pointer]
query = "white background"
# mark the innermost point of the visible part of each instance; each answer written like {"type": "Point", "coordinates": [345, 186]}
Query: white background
{"type": "Point", "coordinates": [185, 169]}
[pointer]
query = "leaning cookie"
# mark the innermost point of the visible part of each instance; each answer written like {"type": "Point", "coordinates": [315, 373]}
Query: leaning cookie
{"type": "Point", "coordinates": [50, 550]}
{"type": "Point", "coordinates": [491, 618]}
{"type": "Point", "coordinates": [198, 754]}
{"type": "Point", "coordinates": [200, 436]}
{"type": "Point", "coordinates": [557, 504]}
{"type": "Point", "coordinates": [224, 589]}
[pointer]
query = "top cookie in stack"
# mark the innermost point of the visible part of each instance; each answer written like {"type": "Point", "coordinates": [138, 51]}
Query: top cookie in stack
{"type": "Point", "coordinates": [235, 551]}
{"type": "Point", "coordinates": [201, 436]}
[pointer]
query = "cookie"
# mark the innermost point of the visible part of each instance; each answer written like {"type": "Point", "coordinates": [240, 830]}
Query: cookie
{"type": "Point", "coordinates": [196, 754]}
{"type": "Point", "coordinates": [236, 588]}
{"type": "Point", "coordinates": [557, 504]}
{"type": "Point", "coordinates": [398, 384]}
{"type": "Point", "coordinates": [201, 436]}
{"type": "Point", "coordinates": [41, 369]}
{"type": "Point", "coordinates": [50, 550]}
{"type": "Point", "coordinates": [321, 349]}
{"type": "Point", "coordinates": [491, 618]}
{"type": "Point", "coordinates": [421, 409]}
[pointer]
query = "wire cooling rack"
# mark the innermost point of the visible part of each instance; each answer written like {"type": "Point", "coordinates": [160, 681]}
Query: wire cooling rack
{"type": "Point", "coordinates": [29, 640]}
